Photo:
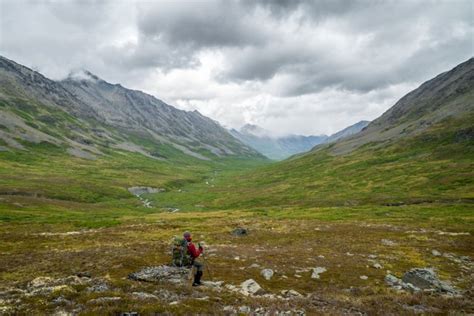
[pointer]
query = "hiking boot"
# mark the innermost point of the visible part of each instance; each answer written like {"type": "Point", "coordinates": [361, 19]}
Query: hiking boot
{"type": "Point", "coordinates": [197, 279]}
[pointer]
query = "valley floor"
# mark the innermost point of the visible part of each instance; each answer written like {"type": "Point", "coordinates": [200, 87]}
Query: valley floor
{"type": "Point", "coordinates": [60, 268]}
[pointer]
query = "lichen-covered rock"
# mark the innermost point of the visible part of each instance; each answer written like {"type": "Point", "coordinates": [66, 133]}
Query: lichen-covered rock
{"type": "Point", "coordinates": [163, 273]}
{"type": "Point", "coordinates": [427, 279]}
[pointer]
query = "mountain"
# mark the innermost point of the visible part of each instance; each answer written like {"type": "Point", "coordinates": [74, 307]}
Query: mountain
{"type": "Point", "coordinates": [279, 148]}
{"type": "Point", "coordinates": [448, 95]}
{"type": "Point", "coordinates": [276, 148]}
{"type": "Point", "coordinates": [87, 113]}
{"type": "Point", "coordinates": [419, 151]}
{"type": "Point", "coordinates": [348, 131]}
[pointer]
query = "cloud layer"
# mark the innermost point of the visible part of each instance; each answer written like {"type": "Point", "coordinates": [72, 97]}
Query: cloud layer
{"type": "Point", "coordinates": [305, 67]}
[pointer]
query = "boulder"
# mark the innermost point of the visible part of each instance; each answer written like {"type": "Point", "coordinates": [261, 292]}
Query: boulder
{"type": "Point", "coordinates": [251, 287]}
{"type": "Point", "coordinates": [240, 232]}
{"type": "Point", "coordinates": [162, 273]}
{"type": "Point", "coordinates": [425, 279]}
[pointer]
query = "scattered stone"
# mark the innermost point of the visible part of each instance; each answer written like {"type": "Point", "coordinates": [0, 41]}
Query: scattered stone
{"type": "Point", "coordinates": [144, 296]}
{"type": "Point", "coordinates": [171, 209]}
{"type": "Point", "coordinates": [229, 308]}
{"type": "Point", "coordinates": [245, 309]}
{"type": "Point", "coordinates": [211, 284]}
{"type": "Point", "coordinates": [98, 288]}
{"type": "Point", "coordinates": [251, 287]}
{"type": "Point", "coordinates": [174, 303]}
{"type": "Point", "coordinates": [388, 242]}
{"type": "Point", "coordinates": [204, 298]}
{"type": "Point", "coordinates": [254, 265]}
{"type": "Point", "coordinates": [321, 257]}
{"type": "Point", "coordinates": [377, 265]}
{"type": "Point", "coordinates": [373, 256]}
{"type": "Point", "coordinates": [435, 253]}
{"type": "Point", "coordinates": [267, 273]}
{"type": "Point", "coordinates": [170, 274]}
{"type": "Point", "coordinates": [317, 271]}
{"type": "Point", "coordinates": [83, 275]}
{"type": "Point", "coordinates": [349, 254]}
{"type": "Point", "coordinates": [60, 300]}
{"type": "Point", "coordinates": [453, 234]}
{"type": "Point", "coordinates": [363, 277]}
{"type": "Point", "coordinates": [240, 232]}
{"type": "Point", "coordinates": [106, 299]}
{"type": "Point", "coordinates": [290, 294]}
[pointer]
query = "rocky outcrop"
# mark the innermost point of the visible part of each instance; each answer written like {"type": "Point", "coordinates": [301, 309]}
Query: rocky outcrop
{"type": "Point", "coordinates": [420, 279]}
{"type": "Point", "coordinates": [169, 274]}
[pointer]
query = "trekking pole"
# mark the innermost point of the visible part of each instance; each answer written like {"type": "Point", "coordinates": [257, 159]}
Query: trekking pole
{"type": "Point", "coordinates": [207, 266]}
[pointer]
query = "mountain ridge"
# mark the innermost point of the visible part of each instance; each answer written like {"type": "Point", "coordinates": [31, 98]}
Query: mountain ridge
{"type": "Point", "coordinates": [122, 115]}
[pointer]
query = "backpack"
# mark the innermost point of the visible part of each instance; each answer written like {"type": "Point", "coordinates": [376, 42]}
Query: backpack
{"type": "Point", "coordinates": [180, 254]}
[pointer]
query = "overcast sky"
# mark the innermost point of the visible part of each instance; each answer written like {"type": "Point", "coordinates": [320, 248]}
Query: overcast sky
{"type": "Point", "coordinates": [305, 67]}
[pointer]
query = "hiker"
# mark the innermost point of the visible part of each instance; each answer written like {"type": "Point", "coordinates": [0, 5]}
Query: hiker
{"type": "Point", "coordinates": [185, 254]}
{"type": "Point", "coordinates": [195, 253]}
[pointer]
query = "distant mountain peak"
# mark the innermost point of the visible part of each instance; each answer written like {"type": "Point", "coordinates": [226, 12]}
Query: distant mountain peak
{"type": "Point", "coordinates": [255, 130]}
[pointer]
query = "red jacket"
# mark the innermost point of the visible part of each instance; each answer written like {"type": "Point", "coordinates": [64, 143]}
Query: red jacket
{"type": "Point", "coordinates": [193, 251]}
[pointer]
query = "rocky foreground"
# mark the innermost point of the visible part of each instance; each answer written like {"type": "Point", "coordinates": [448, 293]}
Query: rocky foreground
{"type": "Point", "coordinates": [256, 268]}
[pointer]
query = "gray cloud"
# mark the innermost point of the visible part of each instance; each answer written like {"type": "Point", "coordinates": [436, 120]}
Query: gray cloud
{"type": "Point", "coordinates": [239, 61]}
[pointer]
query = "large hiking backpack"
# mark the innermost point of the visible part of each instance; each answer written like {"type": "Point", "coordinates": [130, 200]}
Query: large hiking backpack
{"type": "Point", "coordinates": [179, 251]}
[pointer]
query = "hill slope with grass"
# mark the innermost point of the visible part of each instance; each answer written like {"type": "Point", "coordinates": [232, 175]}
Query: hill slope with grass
{"type": "Point", "coordinates": [86, 114]}
{"type": "Point", "coordinates": [329, 224]}
{"type": "Point", "coordinates": [420, 151]}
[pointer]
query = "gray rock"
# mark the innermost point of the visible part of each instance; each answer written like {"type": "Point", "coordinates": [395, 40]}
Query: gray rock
{"type": "Point", "coordinates": [240, 232]}
{"type": "Point", "coordinates": [98, 288]}
{"type": "Point", "coordinates": [251, 287]}
{"type": "Point", "coordinates": [106, 299]}
{"type": "Point", "coordinates": [162, 273]}
{"type": "Point", "coordinates": [435, 253]}
{"type": "Point", "coordinates": [423, 278]}
{"type": "Point", "coordinates": [317, 271]}
{"type": "Point", "coordinates": [144, 296]}
{"type": "Point", "coordinates": [290, 294]}
{"type": "Point", "coordinates": [388, 242]}
{"type": "Point", "coordinates": [377, 265]}
{"type": "Point", "coordinates": [245, 309]}
{"type": "Point", "coordinates": [267, 273]}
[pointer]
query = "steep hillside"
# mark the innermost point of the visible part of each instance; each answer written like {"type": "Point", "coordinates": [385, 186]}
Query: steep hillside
{"type": "Point", "coordinates": [348, 131]}
{"type": "Point", "coordinates": [136, 112]}
{"type": "Point", "coordinates": [88, 116]}
{"type": "Point", "coordinates": [449, 94]}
